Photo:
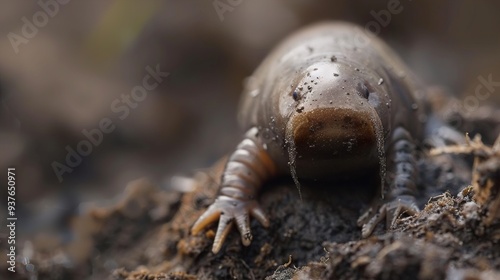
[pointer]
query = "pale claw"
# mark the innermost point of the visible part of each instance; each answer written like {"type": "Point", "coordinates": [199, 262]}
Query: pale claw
{"type": "Point", "coordinates": [390, 211]}
{"type": "Point", "coordinates": [230, 210]}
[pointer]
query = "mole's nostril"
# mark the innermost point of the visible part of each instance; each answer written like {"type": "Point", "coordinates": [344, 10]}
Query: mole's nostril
{"type": "Point", "coordinates": [364, 91]}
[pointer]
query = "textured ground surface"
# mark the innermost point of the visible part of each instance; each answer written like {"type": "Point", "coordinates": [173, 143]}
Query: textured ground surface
{"type": "Point", "coordinates": [144, 235]}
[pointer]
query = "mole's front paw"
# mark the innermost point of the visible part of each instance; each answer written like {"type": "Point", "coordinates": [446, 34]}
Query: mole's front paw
{"type": "Point", "coordinates": [404, 204]}
{"type": "Point", "coordinates": [228, 210]}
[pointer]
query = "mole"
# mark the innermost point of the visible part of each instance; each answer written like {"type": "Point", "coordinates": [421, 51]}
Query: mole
{"type": "Point", "coordinates": [365, 110]}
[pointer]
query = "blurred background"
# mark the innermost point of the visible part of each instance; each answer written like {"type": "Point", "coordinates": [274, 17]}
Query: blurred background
{"type": "Point", "coordinates": [65, 66]}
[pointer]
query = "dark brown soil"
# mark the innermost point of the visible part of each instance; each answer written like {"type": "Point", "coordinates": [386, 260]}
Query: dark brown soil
{"type": "Point", "coordinates": [145, 235]}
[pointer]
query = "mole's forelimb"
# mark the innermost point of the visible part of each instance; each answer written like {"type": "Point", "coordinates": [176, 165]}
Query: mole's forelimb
{"type": "Point", "coordinates": [401, 178]}
{"type": "Point", "coordinates": [248, 167]}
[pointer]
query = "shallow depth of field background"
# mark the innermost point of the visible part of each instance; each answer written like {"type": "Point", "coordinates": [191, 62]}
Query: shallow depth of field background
{"type": "Point", "coordinates": [65, 78]}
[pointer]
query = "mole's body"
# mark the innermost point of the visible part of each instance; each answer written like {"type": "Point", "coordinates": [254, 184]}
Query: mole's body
{"type": "Point", "coordinates": [330, 99]}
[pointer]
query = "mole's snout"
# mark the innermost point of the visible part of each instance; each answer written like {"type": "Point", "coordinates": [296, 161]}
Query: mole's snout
{"type": "Point", "coordinates": [334, 133]}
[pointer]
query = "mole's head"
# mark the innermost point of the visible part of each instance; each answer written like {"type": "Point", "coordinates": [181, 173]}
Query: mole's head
{"type": "Point", "coordinates": [341, 114]}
